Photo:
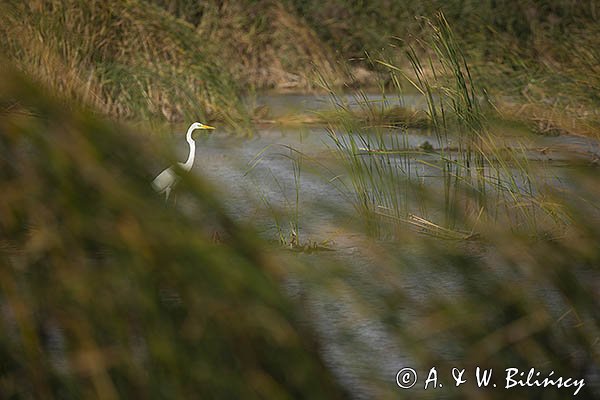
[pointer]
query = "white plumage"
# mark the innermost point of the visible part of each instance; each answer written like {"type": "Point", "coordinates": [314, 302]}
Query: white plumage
{"type": "Point", "coordinates": [165, 181]}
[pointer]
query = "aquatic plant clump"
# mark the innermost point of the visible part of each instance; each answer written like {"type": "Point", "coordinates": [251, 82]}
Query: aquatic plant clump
{"type": "Point", "coordinates": [476, 175]}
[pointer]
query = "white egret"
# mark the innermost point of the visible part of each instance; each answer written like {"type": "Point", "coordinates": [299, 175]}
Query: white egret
{"type": "Point", "coordinates": [165, 181]}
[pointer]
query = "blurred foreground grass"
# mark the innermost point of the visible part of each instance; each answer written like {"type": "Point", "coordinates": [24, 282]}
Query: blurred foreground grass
{"type": "Point", "coordinates": [106, 293]}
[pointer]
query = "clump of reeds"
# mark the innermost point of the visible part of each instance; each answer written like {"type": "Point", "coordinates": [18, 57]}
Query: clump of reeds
{"type": "Point", "coordinates": [468, 161]}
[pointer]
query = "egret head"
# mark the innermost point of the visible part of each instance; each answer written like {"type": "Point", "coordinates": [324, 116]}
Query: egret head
{"type": "Point", "coordinates": [200, 125]}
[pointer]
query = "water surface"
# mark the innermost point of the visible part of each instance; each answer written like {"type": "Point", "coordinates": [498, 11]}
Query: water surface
{"type": "Point", "coordinates": [258, 176]}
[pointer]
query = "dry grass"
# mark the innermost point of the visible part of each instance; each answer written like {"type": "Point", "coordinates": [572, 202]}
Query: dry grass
{"type": "Point", "coordinates": [266, 44]}
{"type": "Point", "coordinates": [127, 59]}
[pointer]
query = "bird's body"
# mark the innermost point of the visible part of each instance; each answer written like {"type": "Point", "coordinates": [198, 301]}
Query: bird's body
{"type": "Point", "coordinates": [165, 181]}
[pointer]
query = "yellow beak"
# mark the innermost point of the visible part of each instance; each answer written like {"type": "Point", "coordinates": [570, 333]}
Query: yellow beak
{"type": "Point", "coordinates": [207, 127]}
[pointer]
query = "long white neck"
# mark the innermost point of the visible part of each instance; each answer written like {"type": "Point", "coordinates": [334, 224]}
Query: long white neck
{"type": "Point", "coordinates": [190, 160]}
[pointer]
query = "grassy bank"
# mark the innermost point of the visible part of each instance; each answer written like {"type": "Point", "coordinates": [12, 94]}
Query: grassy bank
{"type": "Point", "coordinates": [179, 59]}
{"type": "Point", "coordinates": [126, 59]}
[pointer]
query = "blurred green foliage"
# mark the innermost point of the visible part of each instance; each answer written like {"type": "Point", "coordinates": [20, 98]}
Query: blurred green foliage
{"type": "Point", "coordinates": [107, 293]}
